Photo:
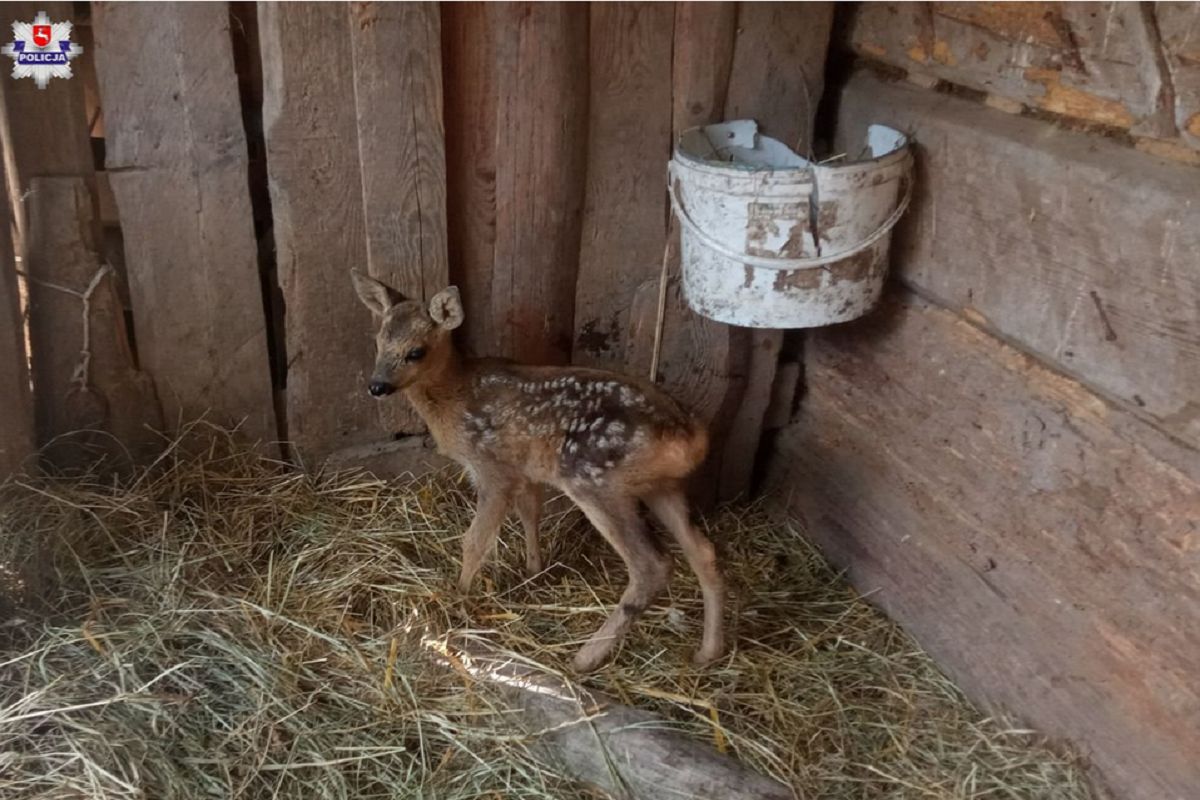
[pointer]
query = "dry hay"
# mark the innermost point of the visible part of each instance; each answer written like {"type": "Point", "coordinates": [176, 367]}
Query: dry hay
{"type": "Point", "coordinates": [220, 626]}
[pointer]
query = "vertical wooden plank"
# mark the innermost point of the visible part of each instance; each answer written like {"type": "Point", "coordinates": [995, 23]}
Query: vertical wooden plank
{"type": "Point", "coordinates": [777, 78]}
{"type": "Point", "coordinates": [760, 359]}
{"type": "Point", "coordinates": [16, 423]}
{"type": "Point", "coordinates": [311, 132]}
{"type": "Point", "coordinates": [704, 40]}
{"type": "Point", "coordinates": [85, 70]}
{"type": "Point", "coordinates": [516, 139]}
{"type": "Point", "coordinates": [629, 141]}
{"type": "Point", "coordinates": [701, 361]}
{"type": "Point", "coordinates": [701, 365]}
{"type": "Point", "coordinates": [779, 68]}
{"type": "Point", "coordinates": [90, 400]}
{"type": "Point", "coordinates": [47, 132]}
{"type": "Point", "coordinates": [247, 63]}
{"type": "Point", "coordinates": [541, 147]}
{"type": "Point", "coordinates": [176, 153]}
{"type": "Point", "coordinates": [401, 144]}
{"type": "Point", "coordinates": [352, 119]}
{"type": "Point", "coordinates": [398, 97]}
{"type": "Point", "coordinates": [468, 58]}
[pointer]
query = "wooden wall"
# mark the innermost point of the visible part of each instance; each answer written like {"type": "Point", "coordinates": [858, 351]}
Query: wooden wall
{"type": "Point", "coordinates": [1133, 68]}
{"type": "Point", "coordinates": [92, 400]}
{"type": "Point", "coordinates": [220, 168]}
{"type": "Point", "coordinates": [1006, 455]}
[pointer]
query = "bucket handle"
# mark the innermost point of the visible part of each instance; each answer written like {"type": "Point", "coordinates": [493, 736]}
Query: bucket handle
{"type": "Point", "coordinates": [767, 262]}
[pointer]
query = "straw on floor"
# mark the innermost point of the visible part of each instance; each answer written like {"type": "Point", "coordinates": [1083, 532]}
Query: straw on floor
{"type": "Point", "coordinates": [221, 626]}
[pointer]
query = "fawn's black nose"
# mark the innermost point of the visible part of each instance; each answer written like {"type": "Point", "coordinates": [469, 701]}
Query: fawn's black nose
{"type": "Point", "coordinates": [380, 388]}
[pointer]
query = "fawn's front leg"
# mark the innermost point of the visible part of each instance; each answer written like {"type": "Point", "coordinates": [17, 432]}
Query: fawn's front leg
{"type": "Point", "coordinates": [529, 508]}
{"type": "Point", "coordinates": [492, 506]}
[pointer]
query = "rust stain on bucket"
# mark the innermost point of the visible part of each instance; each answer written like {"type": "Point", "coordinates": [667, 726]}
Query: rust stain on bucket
{"type": "Point", "coordinates": [805, 279]}
{"type": "Point", "coordinates": [857, 268]}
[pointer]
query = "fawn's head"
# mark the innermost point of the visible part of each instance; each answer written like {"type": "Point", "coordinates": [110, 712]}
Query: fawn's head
{"type": "Point", "coordinates": [413, 340]}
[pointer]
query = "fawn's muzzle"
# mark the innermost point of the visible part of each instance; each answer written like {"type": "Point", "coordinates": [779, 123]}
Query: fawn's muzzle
{"type": "Point", "coordinates": [380, 388]}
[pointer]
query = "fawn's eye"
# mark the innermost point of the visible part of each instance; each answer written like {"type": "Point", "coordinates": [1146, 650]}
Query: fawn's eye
{"type": "Point", "coordinates": [416, 354]}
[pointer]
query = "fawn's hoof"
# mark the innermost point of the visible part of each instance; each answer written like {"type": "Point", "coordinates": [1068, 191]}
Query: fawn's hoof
{"type": "Point", "coordinates": [590, 658]}
{"type": "Point", "coordinates": [534, 568]}
{"type": "Point", "coordinates": [707, 655]}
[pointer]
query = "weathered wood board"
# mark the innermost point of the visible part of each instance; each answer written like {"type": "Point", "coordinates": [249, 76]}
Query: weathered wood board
{"type": "Point", "coordinates": [1018, 525]}
{"type": "Point", "coordinates": [406, 455]}
{"type": "Point", "coordinates": [703, 60]}
{"type": "Point", "coordinates": [401, 146]}
{"type": "Point", "coordinates": [621, 751]}
{"type": "Point", "coordinates": [311, 131]}
{"type": "Point", "coordinates": [702, 365]}
{"type": "Point", "coordinates": [1080, 250]}
{"type": "Point", "coordinates": [1179, 26]}
{"type": "Point", "coordinates": [16, 423]}
{"type": "Point", "coordinates": [516, 86]}
{"type": "Point", "coordinates": [398, 100]}
{"type": "Point", "coordinates": [177, 161]}
{"type": "Point", "coordinates": [468, 56]}
{"type": "Point", "coordinates": [778, 71]}
{"type": "Point", "coordinates": [629, 142]}
{"type": "Point", "coordinates": [541, 64]}
{"type": "Point", "coordinates": [760, 360]}
{"type": "Point", "coordinates": [777, 78]}
{"type": "Point", "coordinates": [1132, 66]}
{"type": "Point", "coordinates": [91, 401]}
{"type": "Point", "coordinates": [700, 360]}
{"type": "Point", "coordinates": [58, 230]}
{"type": "Point", "coordinates": [85, 68]}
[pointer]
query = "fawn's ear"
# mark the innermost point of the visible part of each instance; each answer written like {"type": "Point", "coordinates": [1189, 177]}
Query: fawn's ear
{"type": "Point", "coordinates": [446, 308]}
{"type": "Point", "coordinates": [376, 295]}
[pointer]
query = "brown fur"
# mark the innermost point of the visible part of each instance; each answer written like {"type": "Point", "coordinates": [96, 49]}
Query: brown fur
{"type": "Point", "coordinates": [603, 439]}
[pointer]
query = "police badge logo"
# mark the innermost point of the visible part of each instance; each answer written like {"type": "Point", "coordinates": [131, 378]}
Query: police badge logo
{"type": "Point", "coordinates": [41, 50]}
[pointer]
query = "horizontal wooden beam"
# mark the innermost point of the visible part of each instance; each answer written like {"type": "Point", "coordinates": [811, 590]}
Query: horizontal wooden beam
{"type": "Point", "coordinates": [1080, 250]}
{"type": "Point", "coordinates": [1023, 529]}
{"type": "Point", "coordinates": [1129, 66]}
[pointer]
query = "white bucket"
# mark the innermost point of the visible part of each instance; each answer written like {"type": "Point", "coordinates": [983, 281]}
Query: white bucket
{"type": "Point", "coordinates": [771, 240]}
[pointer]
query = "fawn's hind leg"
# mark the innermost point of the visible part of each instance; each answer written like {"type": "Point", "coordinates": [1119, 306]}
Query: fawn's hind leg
{"type": "Point", "coordinates": [529, 508]}
{"type": "Point", "coordinates": [671, 508]}
{"type": "Point", "coordinates": [616, 517]}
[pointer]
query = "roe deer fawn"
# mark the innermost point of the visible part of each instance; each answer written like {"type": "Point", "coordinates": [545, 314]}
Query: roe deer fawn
{"type": "Point", "coordinates": [604, 440]}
